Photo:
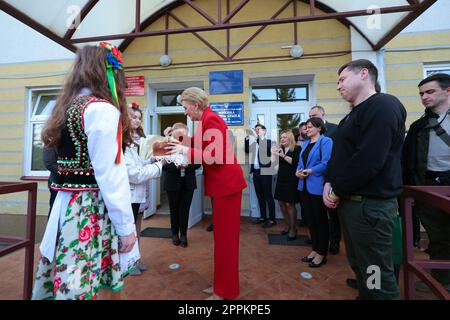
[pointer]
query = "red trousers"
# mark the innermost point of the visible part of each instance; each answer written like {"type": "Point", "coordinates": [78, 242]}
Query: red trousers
{"type": "Point", "coordinates": [226, 221]}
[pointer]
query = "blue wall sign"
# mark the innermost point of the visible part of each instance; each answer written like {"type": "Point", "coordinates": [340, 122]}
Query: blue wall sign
{"type": "Point", "coordinates": [226, 82]}
{"type": "Point", "coordinates": [231, 112]}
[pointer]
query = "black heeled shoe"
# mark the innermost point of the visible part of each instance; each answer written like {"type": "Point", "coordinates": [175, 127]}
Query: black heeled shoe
{"type": "Point", "coordinates": [175, 240]}
{"type": "Point", "coordinates": [183, 241]}
{"type": "Point", "coordinates": [307, 259]}
{"type": "Point", "coordinates": [312, 264]}
{"type": "Point", "coordinates": [289, 238]}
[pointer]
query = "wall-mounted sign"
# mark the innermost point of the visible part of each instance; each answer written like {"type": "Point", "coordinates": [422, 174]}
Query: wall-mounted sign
{"type": "Point", "coordinates": [136, 86]}
{"type": "Point", "coordinates": [231, 112]}
{"type": "Point", "coordinates": [226, 82]}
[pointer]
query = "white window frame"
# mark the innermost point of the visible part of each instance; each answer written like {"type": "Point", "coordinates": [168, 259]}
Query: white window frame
{"type": "Point", "coordinates": [30, 122]}
{"type": "Point", "coordinates": [435, 67]}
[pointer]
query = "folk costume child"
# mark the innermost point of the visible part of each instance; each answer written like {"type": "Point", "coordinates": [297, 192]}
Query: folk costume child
{"type": "Point", "coordinates": [140, 172]}
{"type": "Point", "coordinates": [91, 221]}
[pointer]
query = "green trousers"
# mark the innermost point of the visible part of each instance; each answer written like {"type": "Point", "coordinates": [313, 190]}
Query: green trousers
{"type": "Point", "coordinates": [367, 225]}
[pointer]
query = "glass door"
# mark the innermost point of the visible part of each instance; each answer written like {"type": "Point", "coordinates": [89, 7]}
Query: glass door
{"type": "Point", "coordinates": [276, 117]}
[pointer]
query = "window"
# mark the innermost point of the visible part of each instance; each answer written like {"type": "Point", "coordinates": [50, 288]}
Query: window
{"type": "Point", "coordinates": [41, 104]}
{"type": "Point", "coordinates": [289, 93]}
{"type": "Point", "coordinates": [168, 98]}
{"type": "Point", "coordinates": [436, 68]}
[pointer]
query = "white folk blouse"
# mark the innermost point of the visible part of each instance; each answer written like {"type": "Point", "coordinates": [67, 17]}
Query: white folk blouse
{"type": "Point", "coordinates": [100, 124]}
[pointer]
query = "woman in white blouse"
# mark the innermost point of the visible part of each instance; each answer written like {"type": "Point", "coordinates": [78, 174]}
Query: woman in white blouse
{"type": "Point", "coordinates": [139, 173]}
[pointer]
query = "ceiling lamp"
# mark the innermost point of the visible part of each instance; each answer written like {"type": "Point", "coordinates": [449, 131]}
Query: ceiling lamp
{"type": "Point", "coordinates": [165, 60]}
{"type": "Point", "coordinates": [296, 51]}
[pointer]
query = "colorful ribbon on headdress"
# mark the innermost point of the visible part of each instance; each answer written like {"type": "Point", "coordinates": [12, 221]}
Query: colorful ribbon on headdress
{"type": "Point", "coordinates": [113, 62]}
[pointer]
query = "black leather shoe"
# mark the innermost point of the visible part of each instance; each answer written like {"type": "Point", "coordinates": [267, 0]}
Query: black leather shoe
{"type": "Point", "coordinates": [183, 242]}
{"type": "Point", "coordinates": [334, 248]}
{"type": "Point", "coordinates": [302, 223]}
{"type": "Point", "coordinates": [291, 238]}
{"type": "Point", "coordinates": [284, 232]}
{"type": "Point", "coordinates": [175, 240]}
{"type": "Point", "coordinates": [317, 265]}
{"type": "Point", "coordinates": [210, 228]}
{"type": "Point", "coordinates": [269, 224]}
{"type": "Point", "coordinates": [351, 283]}
{"type": "Point", "coordinates": [258, 221]}
{"type": "Point", "coordinates": [307, 259]}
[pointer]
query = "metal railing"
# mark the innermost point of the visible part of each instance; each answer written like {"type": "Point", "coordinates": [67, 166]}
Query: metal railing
{"type": "Point", "coordinates": [432, 196]}
{"type": "Point", "coordinates": [17, 243]}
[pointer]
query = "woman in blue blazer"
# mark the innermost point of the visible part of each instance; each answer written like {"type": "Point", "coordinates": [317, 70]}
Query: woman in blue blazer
{"type": "Point", "coordinates": [316, 152]}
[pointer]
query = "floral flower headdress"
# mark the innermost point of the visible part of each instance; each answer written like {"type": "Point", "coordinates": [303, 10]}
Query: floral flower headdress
{"type": "Point", "coordinates": [135, 106]}
{"type": "Point", "coordinates": [114, 56]}
{"type": "Point", "coordinates": [113, 63]}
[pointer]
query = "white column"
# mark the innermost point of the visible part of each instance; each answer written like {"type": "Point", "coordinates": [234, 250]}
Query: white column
{"type": "Point", "coordinates": [361, 49]}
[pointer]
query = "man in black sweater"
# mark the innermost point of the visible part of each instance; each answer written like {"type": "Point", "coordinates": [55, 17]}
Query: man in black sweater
{"type": "Point", "coordinates": [364, 178]}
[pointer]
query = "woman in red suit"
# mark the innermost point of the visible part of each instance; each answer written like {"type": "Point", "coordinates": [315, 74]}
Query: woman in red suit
{"type": "Point", "coordinates": [224, 182]}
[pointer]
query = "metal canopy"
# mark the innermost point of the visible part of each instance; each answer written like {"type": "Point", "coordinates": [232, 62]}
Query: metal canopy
{"type": "Point", "coordinates": [73, 23]}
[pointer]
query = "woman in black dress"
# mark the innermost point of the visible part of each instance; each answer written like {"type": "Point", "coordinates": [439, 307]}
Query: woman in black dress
{"type": "Point", "coordinates": [287, 182]}
{"type": "Point", "coordinates": [180, 184]}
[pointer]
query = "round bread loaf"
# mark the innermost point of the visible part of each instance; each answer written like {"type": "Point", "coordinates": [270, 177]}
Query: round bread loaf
{"type": "Point", "coordinates": [159, 146]}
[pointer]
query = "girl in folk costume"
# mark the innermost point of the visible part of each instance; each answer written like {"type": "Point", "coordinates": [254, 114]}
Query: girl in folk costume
{"type": "Point", "coordinates": [91, 221]}
{"type": "Point", "coordinates": [140, 172]}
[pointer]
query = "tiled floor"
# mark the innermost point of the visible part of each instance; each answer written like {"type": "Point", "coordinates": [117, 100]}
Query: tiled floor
{"type": "Point", "coordinates": [266, 271]}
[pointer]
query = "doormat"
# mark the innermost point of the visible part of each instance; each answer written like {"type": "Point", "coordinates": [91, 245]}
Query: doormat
{"type": "Point", "coordinates": [280, 239]}
{"type": "Point", "coordinates": [157, 232]}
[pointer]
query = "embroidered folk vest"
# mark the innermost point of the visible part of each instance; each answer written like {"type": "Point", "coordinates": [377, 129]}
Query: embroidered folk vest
{"type": "Point", "coordinates": [75, 172]}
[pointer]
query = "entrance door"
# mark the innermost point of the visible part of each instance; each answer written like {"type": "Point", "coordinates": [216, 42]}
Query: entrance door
{"type": "Point", "coordinates": [159, 200]}
{"type": "Point", "coordinates": [276, 117]}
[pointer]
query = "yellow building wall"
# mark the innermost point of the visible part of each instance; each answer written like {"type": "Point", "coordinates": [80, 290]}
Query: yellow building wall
{"type": "Point", "coordinates": [406, 57]}
{"type": "Point", "coordinates": [15, 80]}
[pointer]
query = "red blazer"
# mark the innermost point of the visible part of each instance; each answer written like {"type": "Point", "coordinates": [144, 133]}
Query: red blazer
{"type": "Point", "coordinates": [212, 148]}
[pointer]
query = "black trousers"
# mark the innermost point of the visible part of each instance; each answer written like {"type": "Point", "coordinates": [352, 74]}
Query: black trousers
{"type": "Point", "coordinates": [263, 189]}
{"type": "Point", "coordinates": [317, 218]}
{"type": "Point", "coordinates": [135, 207]}
{"type": "Point", "coordinates": [179, 204]}
{"type": "Point", "coordinates": [335, 226]}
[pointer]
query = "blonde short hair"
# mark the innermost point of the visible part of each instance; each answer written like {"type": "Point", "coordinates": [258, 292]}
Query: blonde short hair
{"type": "Point", "coordinates": [195, 95]}
{"type": "Point", "coordinates": [180, 125]}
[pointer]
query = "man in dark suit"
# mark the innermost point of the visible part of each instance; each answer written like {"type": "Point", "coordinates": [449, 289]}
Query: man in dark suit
{"type": "Point", "coordinates": [334, 225]}
{"type": "Point", "coordinates": [259, 150]}
{"type": "Point", "coordinates": [319, 112]}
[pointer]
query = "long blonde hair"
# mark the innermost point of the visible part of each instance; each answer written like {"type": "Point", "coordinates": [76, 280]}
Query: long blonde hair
{"type": "Point", "coordinates": [291, 137]}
